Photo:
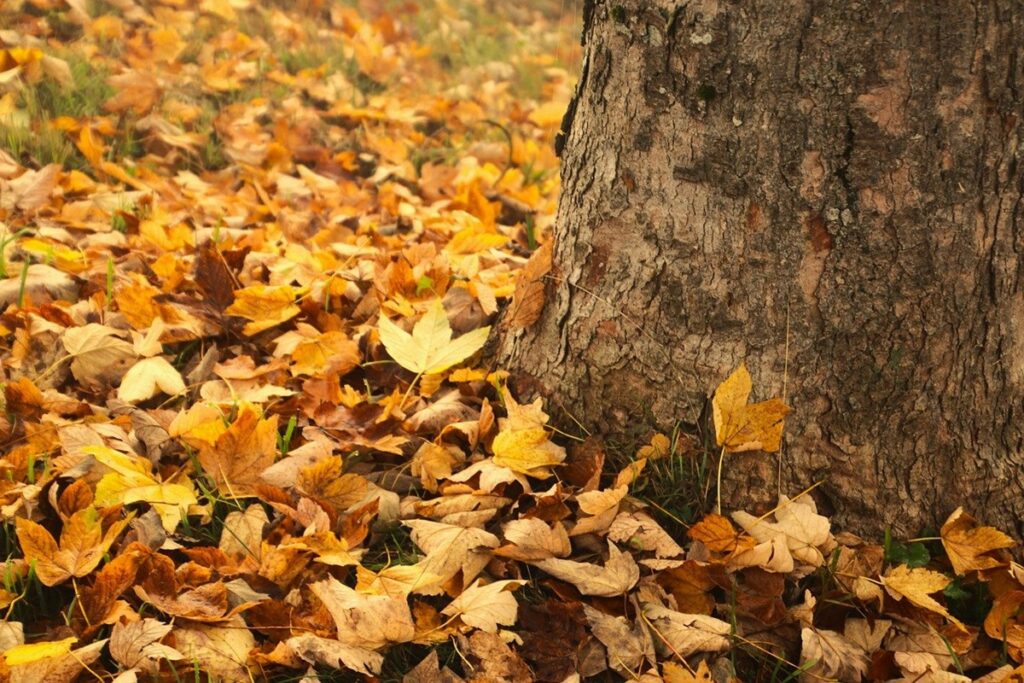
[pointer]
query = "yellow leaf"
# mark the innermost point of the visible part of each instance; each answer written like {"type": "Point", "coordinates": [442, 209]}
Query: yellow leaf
{"type": "Point", "coordinates": [265, 306]}
{"type": "Point", "coordinates": [917, 585]}
{"type": "Point", "coordinates": [528, 451]}
{"type": "Point", "coordinates": [741, 427]}
{"type": "Point", "coordinates": [203, 423]}
{"type": "Point", "coordinates": [673, 673]}
{"type": "Point", "coordinates": [170, 501]}
{"type": "Point", "coordinates": [90, 147]}
{"type": "Point", "coordinates": [330, 351]}
{"type": "Point", "coordinates": [522, 443]}
{"type": "Point", "coordinates": [486, 606]}
{"type": "Point", "coordinates": [147, 378]}
{"type": "Point", "coordinates": [430, 348]}
{"type": "Point", "coordinates": [657, 449]}
{"type": "Point", "coordinates": [26, 654]}
{"type": "Point", "coordinates": [966, 543]}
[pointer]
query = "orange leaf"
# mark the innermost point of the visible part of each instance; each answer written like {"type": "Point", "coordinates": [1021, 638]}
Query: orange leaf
{"type": "Point", "coordinates": [241, 453]}
{"type": "Point", "coordinates": [967, 544]}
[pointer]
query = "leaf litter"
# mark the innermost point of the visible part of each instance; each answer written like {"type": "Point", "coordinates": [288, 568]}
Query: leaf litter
{"type": "Point", "coordinates": [250, 255]}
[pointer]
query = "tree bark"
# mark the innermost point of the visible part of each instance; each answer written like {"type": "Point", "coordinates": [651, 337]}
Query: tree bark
{"type": "Point", "coordinates": [828, 190]}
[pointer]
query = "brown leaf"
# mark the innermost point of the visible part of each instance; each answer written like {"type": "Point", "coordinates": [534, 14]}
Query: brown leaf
{"type": "Point", "coordinates": [528, 298]}
{"type": "Point", "coordinates": [83, 543]}
{"type": "Point", "coordinates": [136, 645]}
{"type": "Point", "coordinates": [616, 577]}
{"type": "Point", "coordinates": [214, 277]}
{"type": "Point", "coordinates": [241, 453]}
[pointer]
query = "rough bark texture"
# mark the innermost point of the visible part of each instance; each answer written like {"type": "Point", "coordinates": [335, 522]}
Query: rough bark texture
{"type": "Point", "coordinates": [833, 187]}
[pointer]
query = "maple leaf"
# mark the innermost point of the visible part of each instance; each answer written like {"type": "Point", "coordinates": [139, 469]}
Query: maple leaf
{"type": "Point", "coordinates": [241, 453]}
{"type": "Point", "coordinates": [430, 349]}
{"type": "Point", "coordinates": [83, 543]}
{"type": "Point", "coordinates": [616, 577]}
{"type": "Point", "coordinates": [741, 427]}
{"type": "Point", "coordinates": [222, 649]}
{"type": "Point", "coordinates": [917, 585]}
{"type": "Point", "coordinates": [829, 655]}
{"type": "Point", "coordinates": [528, 298]}
{"type": "Point", "coordinates": [799, 529]}
{"type": "Point", "coordinates": [131, 482]}
{"type": "Point", "coordinates": [265, 306]}
{"type": "Point", "coordinates": [522, 444]}
{"type": "Point", "coordinates": [628, 645]}
{"type": "Point", "coordinates": [50, 661]}
{"type": "Point", "coordinates": [673, 673]}
{"type": "Point", "coordinates": [363, 620]}
{"type": "Point", "coordinates": [451, 549]}
{"type": "Point", "coordinates": [148, 377]}
{"type": "Point", "coordinates": [533, 539]}
{"type": "Point", "coordinates": [967, 545]}
{"type": "Point", "coordinates": [684, 634]}
{"type": "Point", "coordinates": [395, 581]}
{"type": "Point", "coordinates": [99, 355]}
{"type": "Point", "coordinates": [486, 606]}
{"type": "Point", "coordinates": [135, 645]}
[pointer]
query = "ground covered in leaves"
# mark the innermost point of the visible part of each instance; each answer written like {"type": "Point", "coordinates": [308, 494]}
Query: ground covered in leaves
{"type": "Point", "coordinates": [250, 257]}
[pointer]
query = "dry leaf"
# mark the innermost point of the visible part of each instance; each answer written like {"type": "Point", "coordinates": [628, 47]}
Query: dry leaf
{"type": "Point", "coordinates": [363, 620]}
{"type": "Point", "coordinates": [430, 348]}
{"type": "Point", "coordinates": [135, 645]}
{"type": "Point", "coordinates": [967, 544]}
{"type": "Point", "coordinates": [684, 634]}
{"type": "Point", "coordinates": [917, 585]}
{"type": "Point", "coordinates": [451, 549]}
{"type": "Point", "coordinates": [673, 673]}
{"type": "Point", "coordinates": [148, 377]}
{"type": "Point", "coordinates": [240, 454]}
{"type": "Point", "coordinates": [619, 573]}
{"type": "Point", "coordinates": [528, 298]}
{"type": "Point", "coordinates": [99, 354]}
{"type": "Point", "coordinates": [486, 606]}
{"type": "Point", "coordinates": [83, 543]}
{"type": "Point", "coordinates": [264, 306]}
{"type": "Point", "coordinates": [827, 654]}
{"type": "Point", "coordinates": [741, 427]}
{"type": "Point", "coordinates": [629, 645]}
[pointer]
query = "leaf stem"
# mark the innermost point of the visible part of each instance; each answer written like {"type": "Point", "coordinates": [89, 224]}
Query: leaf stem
{"type": "Point", "coordinates": [718, 486]}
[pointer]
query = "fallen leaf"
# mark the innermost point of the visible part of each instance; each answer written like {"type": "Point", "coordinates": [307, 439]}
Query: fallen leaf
{"type": "Point", "coordinates": [741, 427]}
{"type": "Point", "coordinates": [683, 634]}
{"type": "Point", "coordinates": [829, 655]}
{"type": "Point", "coordinates": [619, 573]}
{"type": "Point", "coordinates": [451, 549]}
{"type": "Point", "coordinates": [967, 545]}
{"type": "Point", "coordinates": [917, 585]}
{"type": "Point", "coordinates": [135, 645]}
{"type": "Point", "coordinates": [486, 606]}
{"type": "Point", "coordinates": [148, 377]}
{"type": "Point", "coordinates": [265, 306]}
{"type": "Point", "coordinates": [240, 454]}
{"type": "Point", "coordinates": [83, 543]}
{"type": "Point", "coordinates": [363, 620]}
{"type": "Point", "coordinates": [99, 354]}
{"type": "Point", "coordinates": [629, 645]}
{"type": "Point", "coordinates": [528, 298]}
{"type": "Point", "coordinates": [430, 349]}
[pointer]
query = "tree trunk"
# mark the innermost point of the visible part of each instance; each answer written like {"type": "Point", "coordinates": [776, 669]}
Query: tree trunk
{"type": "Point", "coordinates": [828, 190]}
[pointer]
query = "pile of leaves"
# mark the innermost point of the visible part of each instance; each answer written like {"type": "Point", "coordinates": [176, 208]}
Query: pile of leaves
{"type": "Point", "coordinates": [250, 254]}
